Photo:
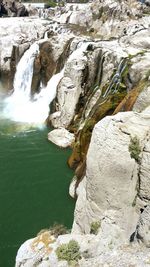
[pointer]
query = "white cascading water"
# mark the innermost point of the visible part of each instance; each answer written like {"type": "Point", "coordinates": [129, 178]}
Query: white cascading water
{"type": "Point", "coordinates": [24, 72]}
{"type": "Point", "coordinates": [19, 106]}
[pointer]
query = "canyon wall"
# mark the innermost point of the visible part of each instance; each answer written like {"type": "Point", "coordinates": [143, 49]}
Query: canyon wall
{"type": "Point", "coordinates": [101, 110]}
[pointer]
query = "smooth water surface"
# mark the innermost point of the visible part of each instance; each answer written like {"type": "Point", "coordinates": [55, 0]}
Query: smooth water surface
{"type": "Point", "coordinates": [34, 181]}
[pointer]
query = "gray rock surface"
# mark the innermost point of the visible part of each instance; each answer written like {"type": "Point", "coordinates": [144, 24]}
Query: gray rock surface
{"type": "Point", "coordinates": [70, 88]}
{"type": "Point", "coordinates": [112, 176]}
{"type": "Point", "coordinates": [142, 232]}
{"type": "Point", "coordinates": [143, 100]}
{"type": "Point", "coordinates": [18, 32]}
{"type": "Point", "coordinates": [93, 63]}
{"type": "Point", "coordinates": [77, 14]}
{"type": "Point", "coordinates": [102, 18]}
{"type": "Point", "coordinates": [107, 194]}
{"type": "Point", "coordinates": [144, 173]}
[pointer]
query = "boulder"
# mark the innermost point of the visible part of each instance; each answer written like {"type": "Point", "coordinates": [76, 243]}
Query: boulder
{"type": "Point", "coordinates": [61, 137]}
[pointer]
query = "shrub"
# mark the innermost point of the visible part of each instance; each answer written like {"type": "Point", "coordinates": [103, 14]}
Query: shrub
{"type": "Point", "coordinates": [58, 229]}
{"type": "Point", "coordinates": [69, 252]}
{"type": "Point", "coordinates": [95, 227]}
{"type": "Point", "coordinates": [50, 3]}
{"type": "Point", "coordinates": [134, 148]}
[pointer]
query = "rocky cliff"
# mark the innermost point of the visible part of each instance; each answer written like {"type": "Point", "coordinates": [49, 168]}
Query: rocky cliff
{"type": "Point", "coordinates": [112, 209]}
{"type": "Point", "coordinates": [102, 110]}
{"type": "Point", "coordinates": [16, 36]}
{"type": "Point", "coordinates": [12, 8]}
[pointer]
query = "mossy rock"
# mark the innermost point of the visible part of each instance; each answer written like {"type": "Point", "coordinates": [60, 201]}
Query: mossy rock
{"type": "Point", "coordinates": [105, 105]}
{"type": "Point", "coordinates": [134, 148]}
{"type": "Point", "coordinates": [129, 100]}
{"type": "Point", "coordinates": [75, 157]}
{"type": "Point", "coordinates": [101, 109]}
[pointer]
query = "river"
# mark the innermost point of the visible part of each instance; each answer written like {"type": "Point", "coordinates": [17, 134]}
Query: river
{"type": "Point", "coordinates": [34, 181]}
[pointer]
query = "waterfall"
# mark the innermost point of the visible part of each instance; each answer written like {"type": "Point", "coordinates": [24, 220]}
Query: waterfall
{"type": "Point", "coordinates": [19, 106]}
{"type": "Point", "coordinates": [24, 72]}
{"type": "Point", "coordinates": [116, 79]}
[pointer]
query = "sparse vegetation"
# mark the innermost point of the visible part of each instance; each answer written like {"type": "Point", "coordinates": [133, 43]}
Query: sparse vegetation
{"type": "Point", "coordinates": [69, 252]}
{"type": "Point", "coordinates": [95, 227]}
{"type": "Point", "coordinates": [134, 148]}
{"type": "Point", "coordinates": [58, 229]}
{"type": "Point", "coordinates": [50, 3]}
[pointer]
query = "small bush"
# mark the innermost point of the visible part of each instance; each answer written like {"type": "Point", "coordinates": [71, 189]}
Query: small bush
{"type": "Point", "coordinates": [134, 148]}
{"type": "Point", "coordinates": [69, 252]}
{"type": "Point", "coordinates": [50, 3]}
{"type": "Point", "coordinates": [95, 227]}
{"type": "Point", "coordinates": [58, 229]}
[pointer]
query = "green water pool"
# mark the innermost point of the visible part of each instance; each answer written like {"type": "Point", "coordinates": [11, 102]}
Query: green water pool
{"type": "Point", "coordinates": [34, 182]}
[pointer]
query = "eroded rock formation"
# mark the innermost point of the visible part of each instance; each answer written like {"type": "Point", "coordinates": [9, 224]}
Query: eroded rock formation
{"type": "Point", "coordinates": [12, 8]}
{"type": "Point", "coordinates": [114, 181]}
{"type": "Point", "coordinates": [16, 35]}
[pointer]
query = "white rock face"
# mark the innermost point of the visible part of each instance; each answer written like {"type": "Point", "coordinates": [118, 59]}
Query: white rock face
{"type": "Point", "coordinates": [107, 16]}
{"type": "Point", "coordinates": [30, 254]}
{"type": "Point", "coordinates": [111, 177]}
{"type": "Point", "coordinates": [142, 101]}
{"type": "Point", "coordinates": [103, 17]}
{"type": "Point", "coordinates": [140, 67]}
{"type": "Point", "coordinates": [20, 32]}
{"type": "Point", "coordinates": [46, 257]}
{"type": "Point", "coordinates": [61, 137]}
{"type": "Point", "coordinates": [144, 175]}
{"type": "Point", "coordinates": [70, 87]}
{"type": "Point", "coordinates": [72, 187]}
{"type": "Point", "coordinates": [75, 14]}
{"type": "Point", "coordinates": [68, 96]}
{"type": "Point", "coordinates": [86, 59]}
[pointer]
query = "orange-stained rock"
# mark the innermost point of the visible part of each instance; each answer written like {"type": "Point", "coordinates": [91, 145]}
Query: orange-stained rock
{"type": "Point", "coordinates": [130, 99]}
